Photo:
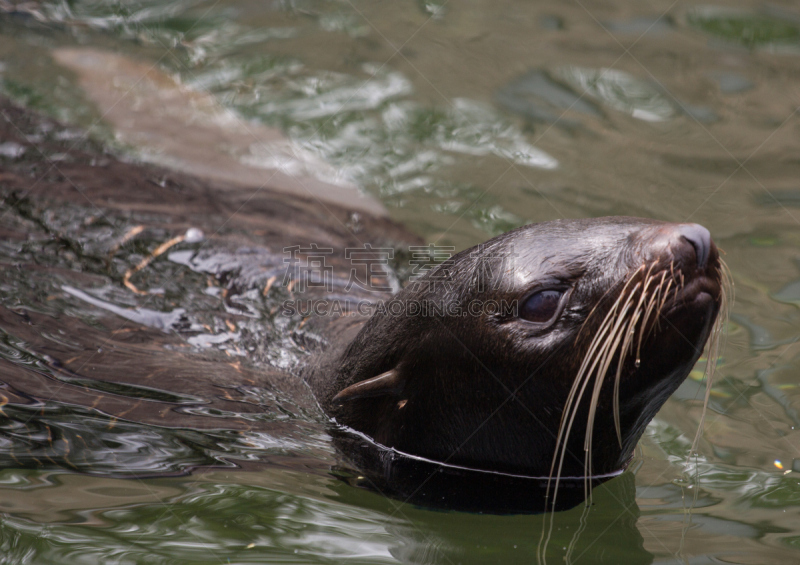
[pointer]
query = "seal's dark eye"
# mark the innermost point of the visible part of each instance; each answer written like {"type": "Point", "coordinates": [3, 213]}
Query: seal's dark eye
{"type": "Point", "coordinates": [541, 307]}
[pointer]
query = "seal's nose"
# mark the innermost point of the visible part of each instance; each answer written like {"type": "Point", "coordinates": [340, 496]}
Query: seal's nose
{"type": "Point", "coordinates": [700, 238]}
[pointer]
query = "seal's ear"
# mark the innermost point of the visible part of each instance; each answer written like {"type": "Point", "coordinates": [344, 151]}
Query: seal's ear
{"type": "Point", "coordinates": [389, 382]}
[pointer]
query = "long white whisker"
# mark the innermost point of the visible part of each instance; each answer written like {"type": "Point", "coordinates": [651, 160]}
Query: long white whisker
{"type": "Point", "coordinates": [576, 393]}
{"type": "Point", "coordinates": [610, 349]}
{"type": "Point", "coordinates": [571, 406]}
{"type": "Point", "coordinates": [579, 387]}
{"type": "Point", "coordinates": [715, 344]}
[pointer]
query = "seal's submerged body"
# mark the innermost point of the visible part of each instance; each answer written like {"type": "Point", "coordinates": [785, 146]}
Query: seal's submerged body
{"type": "Point", "coordinates": [516, 369]}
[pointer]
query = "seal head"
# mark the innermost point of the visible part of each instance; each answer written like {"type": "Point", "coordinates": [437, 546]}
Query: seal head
{"type": "Point", "coordinates": [543, 352]}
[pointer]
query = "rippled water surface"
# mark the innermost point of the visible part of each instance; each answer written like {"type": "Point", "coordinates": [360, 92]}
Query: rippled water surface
{"type": "Point", "coordinates": [464, 120]}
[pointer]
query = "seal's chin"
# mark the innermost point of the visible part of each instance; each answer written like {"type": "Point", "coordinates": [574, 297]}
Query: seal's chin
{"type": "Point", "coordinates": [677, 338]}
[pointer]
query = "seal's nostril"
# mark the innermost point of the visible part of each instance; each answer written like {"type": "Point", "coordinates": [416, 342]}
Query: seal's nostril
{"type": "Point", "coordinates": [700, 238]}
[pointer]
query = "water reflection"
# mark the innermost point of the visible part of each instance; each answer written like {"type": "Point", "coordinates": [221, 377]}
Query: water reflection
{"type": "Point", "coordinates": [620, 91]}
{"type": "Point", "coordinates": [465, 122]}
{"type": "Point", "coordinates": [771, 28]}
{"type": "Point", "coordinates": [213, 517]}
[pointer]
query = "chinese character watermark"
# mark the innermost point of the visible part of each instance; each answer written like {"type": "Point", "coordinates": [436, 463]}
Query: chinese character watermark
{"type": "Point", "coordinates": [309, 270]}
{"type": "Point", "coordinates": [433, 262]}
{"type": "Point", "coordinates": [371, 263]}
{"type": "Point", "coordinates": [490, 265]}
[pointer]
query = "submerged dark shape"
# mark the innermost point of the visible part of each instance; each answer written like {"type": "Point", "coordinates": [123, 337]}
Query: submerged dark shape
{"type": "Point", "coordinates": [519, 360]}
{"type": "Point", "coordinates": [584, 328]}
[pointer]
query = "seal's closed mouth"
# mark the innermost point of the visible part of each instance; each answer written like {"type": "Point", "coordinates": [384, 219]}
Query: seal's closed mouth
{"type": "Point", "coordinates": [700, 293]}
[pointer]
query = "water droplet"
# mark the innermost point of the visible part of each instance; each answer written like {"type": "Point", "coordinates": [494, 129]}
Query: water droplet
{"type": "Point", "coordinates": [638, 363]}
{"type": "Point", "coordinates": [193, 235]}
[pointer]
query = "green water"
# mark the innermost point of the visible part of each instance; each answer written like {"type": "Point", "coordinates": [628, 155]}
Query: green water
{"type": "Point", "coordinates": [465, 119]}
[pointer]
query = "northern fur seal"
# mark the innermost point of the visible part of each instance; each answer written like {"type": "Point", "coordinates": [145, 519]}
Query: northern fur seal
{"type": "Point", "coordinates": [593, 324]}
{"type": "Point", "coordinates": [485, 409]}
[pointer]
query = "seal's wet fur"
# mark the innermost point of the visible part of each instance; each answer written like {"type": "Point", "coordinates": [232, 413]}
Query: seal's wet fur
{"type": "Point", "coordinates": [490, 391]}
